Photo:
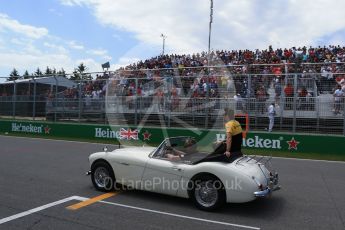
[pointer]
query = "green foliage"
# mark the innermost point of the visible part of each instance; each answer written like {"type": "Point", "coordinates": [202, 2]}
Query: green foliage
{"type": "Point", "coordinates": [14, 75]}
{"type": "Point", "coordinates": [81, 68]}
{"type": "Point", "coordinates": [62, 73]}
{"type": "Point", "coordinates": [76, 76]}
{"type": "Point", "coordinates": [79, 73]}
{"type": "Point", "coordinates": [26, 75]}
{"type": "Point", "coordinates": [48, 71]}
{"type": "Point", "coordinates": [38, 73]}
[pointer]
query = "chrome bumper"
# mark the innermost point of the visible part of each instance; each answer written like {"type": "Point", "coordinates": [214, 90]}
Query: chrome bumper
{"type": "Point", "coordinates": [272, 186]}
{"type": "Point", "coordinates": [266, 192]}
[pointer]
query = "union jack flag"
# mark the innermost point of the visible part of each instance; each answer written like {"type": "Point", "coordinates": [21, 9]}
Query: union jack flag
{"type": "Point", "coordinates": [129, 134]}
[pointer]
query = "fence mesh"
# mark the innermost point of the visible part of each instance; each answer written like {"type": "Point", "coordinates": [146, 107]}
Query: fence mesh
{"type": "Point", "coordinates": [307, 98]}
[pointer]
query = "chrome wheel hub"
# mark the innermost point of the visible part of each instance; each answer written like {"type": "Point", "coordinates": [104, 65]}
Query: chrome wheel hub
{"type": "Point", "coordinates": [206, 194]}
{"type": "Point", "coordinates": [101, 177]}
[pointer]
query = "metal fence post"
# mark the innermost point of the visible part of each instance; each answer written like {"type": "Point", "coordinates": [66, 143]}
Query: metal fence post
{"type": "Point", "coordinates": [14, 99]}
{"type": "Point", "coordinates": [80, 101]}
{"type": "Point", "coordinates": [249, 89]}
{"type": "Point", "coordinates": [281, 103]}
{"type": "Point", "coordinates": [317, 108]}
{"type": "Point", "coordinates": [106, 100]}
{"type": "Point", "coordinates": [252, 101]}
{"type": "Point", "coordinates": [34, 100]}
{"type": "Point", "coordinates": [294, 104]}
{"type": "Point", "coordinates": [56, 95]}
{"type": "Point", "coordinates": [171, 80]}
{"type": "Point", "coordinates": [344, 116]}
{"type": "Point", "coordinates": [136, 101]}
{"type": "Point", "coordinates": [207, 92]}
{"type": "Point", "coordinates": [192, 109]}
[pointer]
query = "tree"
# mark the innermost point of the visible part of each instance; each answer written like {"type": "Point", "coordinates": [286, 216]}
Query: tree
{"type": "Point", "coordinates": [82, 68]}
{"type": "Point", "coordinates": [48, 71]}
{"type": "Point", "coordinates": [13, 75]}
{"type": "Point", "coordinates": [38, 73]}
{"type": "Point", "coordinates": [26, 75]}
{"type": "Point", "coordinates": [76, 76]}
{"type": "Point", "coordinates": [79, 73]}
{"type": "Point", "coordinates": [62, 73]}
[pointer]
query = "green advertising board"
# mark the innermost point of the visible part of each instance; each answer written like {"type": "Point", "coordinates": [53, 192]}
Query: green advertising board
{"type": "Point", "coordinates": [294, 143]}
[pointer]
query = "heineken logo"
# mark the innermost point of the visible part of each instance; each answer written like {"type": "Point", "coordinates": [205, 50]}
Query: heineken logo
{"type": "Point", "coordinates": [256, 142]}
{"type": "Point", "coordinates": [30, 128]}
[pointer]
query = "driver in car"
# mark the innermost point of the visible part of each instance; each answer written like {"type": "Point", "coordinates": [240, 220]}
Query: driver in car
{"type": "Point", "coordinates": [174, 154]}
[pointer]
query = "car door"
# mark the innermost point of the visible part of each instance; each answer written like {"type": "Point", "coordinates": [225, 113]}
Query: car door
{"type": "Point", "coordinates": [162, 176]}
{"type": "Point", "coordinates": [128, 173]}
{"type": "Point", "coordinates": [129, 168]}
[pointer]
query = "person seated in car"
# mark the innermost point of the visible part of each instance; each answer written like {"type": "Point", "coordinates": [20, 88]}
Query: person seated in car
{"type": "Point", "coordinates": [174, 154]}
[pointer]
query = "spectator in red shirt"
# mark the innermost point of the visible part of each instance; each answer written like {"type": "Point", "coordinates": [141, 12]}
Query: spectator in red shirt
{"type": "Point", "coordinates": [288, 90]}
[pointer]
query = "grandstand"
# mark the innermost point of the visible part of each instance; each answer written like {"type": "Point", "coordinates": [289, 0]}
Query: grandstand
{"type": "Point", "coordinates": [181, 90]}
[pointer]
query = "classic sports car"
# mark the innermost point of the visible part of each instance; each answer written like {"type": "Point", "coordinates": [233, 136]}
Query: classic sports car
{"type": "Point", "coordinates": [177, 167]}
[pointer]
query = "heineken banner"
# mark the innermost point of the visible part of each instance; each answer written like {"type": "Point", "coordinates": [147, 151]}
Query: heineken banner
{"type": "Point", "coordinates": [294, 143]}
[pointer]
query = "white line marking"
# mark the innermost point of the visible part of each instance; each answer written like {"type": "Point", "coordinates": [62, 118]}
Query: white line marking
{"type": "Point", "coordinates": [34, 210]}
{"type": "Point", "coordinates": [180, 216]}
{"type": "Point", "coordinates": [79, 198]}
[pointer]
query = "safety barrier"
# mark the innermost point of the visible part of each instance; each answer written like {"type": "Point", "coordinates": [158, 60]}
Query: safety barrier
{"type": "Point", "coordinates": [134, 135]}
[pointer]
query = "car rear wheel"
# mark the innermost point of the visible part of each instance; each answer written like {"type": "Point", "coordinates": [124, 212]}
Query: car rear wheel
{"type": "Point", "coordinates": [208, 193]}
{"type": "Point", "coordinates": [102, 176]}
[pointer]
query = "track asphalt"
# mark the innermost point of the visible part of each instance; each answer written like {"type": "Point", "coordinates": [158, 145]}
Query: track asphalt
{"type": "Point", "coordinates": [36, 172]}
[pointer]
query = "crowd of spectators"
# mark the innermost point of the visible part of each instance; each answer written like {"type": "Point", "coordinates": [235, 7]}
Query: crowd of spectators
{"type": "Point", "coordinates": [330, 54]}
{"type": "Point", "coordinates": [325, 65]}
{"type": "Point", "coordinates": [320, 70]}
{"type": "Point", "coordinates": [226, 75]}
{"type": "Point", "coordinates": [93, 89]}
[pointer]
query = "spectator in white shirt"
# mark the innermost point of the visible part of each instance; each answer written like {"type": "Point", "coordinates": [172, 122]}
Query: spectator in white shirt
{"type": "Point", "coordinates": [271, 113]}
{"type": "Point", "coordinates": [338, 95]}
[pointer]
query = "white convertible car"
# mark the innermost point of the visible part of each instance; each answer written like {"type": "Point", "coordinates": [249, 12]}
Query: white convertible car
{"type": "Point", "coordinates": [177, 169]}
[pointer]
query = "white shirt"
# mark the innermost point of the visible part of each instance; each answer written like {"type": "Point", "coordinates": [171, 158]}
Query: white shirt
{"type": "Point", "coordinates": [205, 86]}
{"type": "Point", "coordinates": [338, 94]}
{"type": "Point", "coordinates": [271, 110]}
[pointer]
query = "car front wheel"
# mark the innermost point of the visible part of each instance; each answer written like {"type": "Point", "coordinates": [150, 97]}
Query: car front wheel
{"type": "Point", "coordinates": [102, 176]}
{"type": "Point", "coordinates": [208, 193]}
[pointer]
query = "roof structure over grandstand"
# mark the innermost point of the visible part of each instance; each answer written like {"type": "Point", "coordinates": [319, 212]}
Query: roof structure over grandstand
{"type": "Point", "coordinates": [58, 80]}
